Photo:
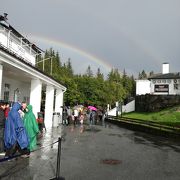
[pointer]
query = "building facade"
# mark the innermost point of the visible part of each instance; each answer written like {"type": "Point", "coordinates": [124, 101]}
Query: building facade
{"type": "Point", "coordinates": [20, 80]}
{"type": "Point", "coordinates": [164, 83]}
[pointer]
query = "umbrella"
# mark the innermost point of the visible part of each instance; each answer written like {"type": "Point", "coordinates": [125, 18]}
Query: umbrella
{"type": "Point", "coordinates": [78, 107]}
{"type": "Point", "coordinates": [92, 108]}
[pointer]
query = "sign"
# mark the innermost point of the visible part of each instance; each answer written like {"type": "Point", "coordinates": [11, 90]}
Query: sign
{"type": "Point", "coordinates": [161, 88]}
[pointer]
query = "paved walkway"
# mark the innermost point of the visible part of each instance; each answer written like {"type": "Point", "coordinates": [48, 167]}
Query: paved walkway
{"type": "Point", "coordinates": [99, 153]}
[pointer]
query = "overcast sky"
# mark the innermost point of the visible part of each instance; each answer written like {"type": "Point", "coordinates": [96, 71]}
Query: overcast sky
{"type": "Point", "coordinates": [134, 35]}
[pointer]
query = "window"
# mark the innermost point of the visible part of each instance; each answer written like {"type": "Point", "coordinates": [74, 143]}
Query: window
{"type": "Point", "coordinates": [6, 95]}
{"type": "Point", "coordinates": [6, 92]}
{"type": "Point", "coordinates": [176, 86]}
{"type": "Point", "coordinates": [26, 99]}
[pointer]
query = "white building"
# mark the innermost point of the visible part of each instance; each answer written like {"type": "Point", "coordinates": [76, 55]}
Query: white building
{"type": "Point", "coordinates": [143, 87]}
{"type": "Point", "coordinates": [20, 80]}
{"type": "Point", "coordinates": [160, 84]}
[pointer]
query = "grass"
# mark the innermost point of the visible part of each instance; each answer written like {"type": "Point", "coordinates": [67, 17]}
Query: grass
{"type": "Point", "coordinates": [169, 116]}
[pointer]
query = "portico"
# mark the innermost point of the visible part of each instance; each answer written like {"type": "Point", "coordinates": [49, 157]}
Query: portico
{"type": "Point", "coordinates": [21, 81]}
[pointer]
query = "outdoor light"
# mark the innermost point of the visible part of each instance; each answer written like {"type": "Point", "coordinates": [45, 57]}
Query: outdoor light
{"type": "Point", "coordinates": [4, 18]}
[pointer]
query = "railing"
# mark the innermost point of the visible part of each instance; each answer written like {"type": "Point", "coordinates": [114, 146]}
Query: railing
{"type": "Point", "coordinates": [57, 176]}
{"type": "Point", "coordinates": [14, 54]}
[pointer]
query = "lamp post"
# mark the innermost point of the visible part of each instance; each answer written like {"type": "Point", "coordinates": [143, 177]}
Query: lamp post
{"type": "Point", "coordinates": [121, 103]}
{"type": "Point", "coordinates": [117, 108]}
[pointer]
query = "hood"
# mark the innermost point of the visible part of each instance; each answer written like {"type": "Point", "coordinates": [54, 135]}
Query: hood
{"type": "Point", "coordinates": [29, 107]}
{"type": "Point", "coordinates": [16, 106]}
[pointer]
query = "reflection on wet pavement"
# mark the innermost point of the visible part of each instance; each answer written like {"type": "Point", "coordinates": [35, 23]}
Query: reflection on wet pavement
{"type": "Point", "coordinates": [90, 152]}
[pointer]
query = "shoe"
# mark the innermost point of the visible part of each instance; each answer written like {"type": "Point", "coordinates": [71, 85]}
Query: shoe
{"type": "Point", "coordinates": [25, 155]}
{"type": "Point", "coordinates": [2, 154]}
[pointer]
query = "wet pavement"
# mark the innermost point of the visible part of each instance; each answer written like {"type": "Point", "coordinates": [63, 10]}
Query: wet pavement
{"type": "Point", "coordinates": [98, 153]}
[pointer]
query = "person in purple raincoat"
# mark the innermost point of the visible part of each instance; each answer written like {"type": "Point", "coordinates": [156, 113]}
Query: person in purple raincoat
{"type": "Point", "coordinates": [15, 135]}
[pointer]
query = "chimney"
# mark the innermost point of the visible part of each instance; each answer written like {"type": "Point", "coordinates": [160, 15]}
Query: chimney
{"type": "Point", "coordinates": [165, 68]}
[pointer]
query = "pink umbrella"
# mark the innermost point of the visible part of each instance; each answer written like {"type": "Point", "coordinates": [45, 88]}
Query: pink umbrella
{"type": "Point", "coordinates": [92, 108]}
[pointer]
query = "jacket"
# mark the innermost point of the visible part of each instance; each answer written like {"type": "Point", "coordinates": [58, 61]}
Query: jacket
{"type": "Point", "coordinates": [2, 118]}
{"type": "Point", "coordinates": [14, 129]}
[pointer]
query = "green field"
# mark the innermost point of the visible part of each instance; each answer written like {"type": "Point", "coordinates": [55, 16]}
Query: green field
{"type": "Point", "coordinates": [170, 116]}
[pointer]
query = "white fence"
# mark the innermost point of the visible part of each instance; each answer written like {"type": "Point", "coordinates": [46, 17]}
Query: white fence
{"type": "Point", "coordinates": [130, 107]}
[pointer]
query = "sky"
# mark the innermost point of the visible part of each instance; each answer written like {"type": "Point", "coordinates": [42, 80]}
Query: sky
{"type": "Point", "coordinates": [134, 35]}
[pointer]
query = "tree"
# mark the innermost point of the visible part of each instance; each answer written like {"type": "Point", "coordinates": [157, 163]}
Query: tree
{"type": "Point", "coordinates": [89, 89]}
{"type": "Point", "coordinates": [142, 75]}
{"type": "Point", "coordinates": [99, 74]}
{"type": "Point", "coordinates": [114, 76]}
{"type": "Point", "coordinates": [69, 68]}
{"type": "Point", "coordinates": [151, 73]}
{"type": "Point", "coordinates": [89, 72]}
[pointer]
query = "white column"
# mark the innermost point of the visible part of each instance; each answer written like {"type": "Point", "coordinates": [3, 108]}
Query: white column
{"type": "Point", "coordinates": [49, 105]}
{"type": "Point", "coordinates": [35, 95]}
{"type": "Point", "coordinates": [1, 75]}
{"type": "Point", "coordinates": [59, 102]}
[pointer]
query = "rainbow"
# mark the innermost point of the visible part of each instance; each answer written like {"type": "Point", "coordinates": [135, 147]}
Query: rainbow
{"type": "Point", "coordinates": [78, 51]}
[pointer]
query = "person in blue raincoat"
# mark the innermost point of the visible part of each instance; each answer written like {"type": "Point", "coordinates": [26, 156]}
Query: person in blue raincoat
{"type": "Point", "coordinates": [15, 135]}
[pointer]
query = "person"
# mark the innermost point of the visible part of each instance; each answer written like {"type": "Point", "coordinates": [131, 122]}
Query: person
{"type": "Point", "coordinates": [69, 113]}
{"type": "Point", "coordinates": [65, 116]}
{"type": "Point", "coordinates": [7, 109]}
{"type": "Point", "coordinates": [100, 114]}
{"type": "Point", "coordinates": [31, 127]}
{"type": "Point", "coordinates": [81, 118]}
{"type": "Point", "coordinates": [40, 121]}
{"type": "Point", "coordinates": [90, 117]}
{"type": "Point", "coordinates": [15, 135]}
{"type": "Point", "coordinates": [2, 125]}
{"type": "Point", "coordinates": [104, 117]}
{"type": "Point", "coordinates": [23, 109]}
{"type": "Point", "coordinates": [75, 116]}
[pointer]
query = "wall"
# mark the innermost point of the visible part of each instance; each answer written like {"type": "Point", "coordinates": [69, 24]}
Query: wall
{"type": "Point", "coordinates": [169, 82]}
{"type": "Point", "coordinates": [142, 87]}
{"type": "Point", "coordinates": [129, 107]}
{"type": "Point", "coordinates": [153, 103]}
{"type": "Point", "coordinates": [24, 89]}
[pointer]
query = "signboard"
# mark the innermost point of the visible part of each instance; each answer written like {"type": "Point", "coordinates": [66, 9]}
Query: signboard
{"type": "Point", "coordinates": [161, 88]}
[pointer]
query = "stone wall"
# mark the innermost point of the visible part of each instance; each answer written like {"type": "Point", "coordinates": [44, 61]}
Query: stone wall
{"type": "Point", "coordinates": [153, 103]}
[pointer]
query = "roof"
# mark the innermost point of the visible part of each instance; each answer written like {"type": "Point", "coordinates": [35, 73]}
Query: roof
{"type": "Point", "coordinates": [15, 32]}
{"type": "Point", "coordinates": [165, 76]}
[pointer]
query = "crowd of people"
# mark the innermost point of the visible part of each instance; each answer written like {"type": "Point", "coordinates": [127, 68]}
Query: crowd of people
{"type": "Point", "coordinates": [81, 115]}
{"type": "Point", "coordinates": [18, 129]}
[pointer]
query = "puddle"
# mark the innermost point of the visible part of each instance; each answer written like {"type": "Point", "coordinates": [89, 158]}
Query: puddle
{"type": "Point", "coordinates": [118, 135]}
{"type": "Point", "coordinates": [93, 130]}
{"type": "Point", "coordinates": [111, 161]}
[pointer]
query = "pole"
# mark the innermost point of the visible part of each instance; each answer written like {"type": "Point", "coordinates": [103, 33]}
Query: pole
{"type": "Point", "coordinates": [58, 158]}
{"type": "Point", "coordinates": [58, 164]}
{"type": "Point", "coordinates": [44, 61]}
{"type": "Point", "coordinates": [117, 108]}
{"type": "Point", "coordinates": [51, 65]}
{"type": "Point", "coordinates": [43, 65]}
{"type": "Point", "coordinates": [121, 108]}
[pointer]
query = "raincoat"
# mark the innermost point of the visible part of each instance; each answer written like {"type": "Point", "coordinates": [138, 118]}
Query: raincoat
{"type": "Point", "coordinates": [31, 126]}
{"type": "Point", "coordinates": [14, 129]}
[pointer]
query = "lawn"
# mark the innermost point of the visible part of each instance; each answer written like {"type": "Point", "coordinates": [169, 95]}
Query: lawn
{"type": "Point", "coordinates": [169, 116]}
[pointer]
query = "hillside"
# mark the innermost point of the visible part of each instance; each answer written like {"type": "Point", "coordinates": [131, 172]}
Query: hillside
{"type": "Point", "coordinates": [169, 116]}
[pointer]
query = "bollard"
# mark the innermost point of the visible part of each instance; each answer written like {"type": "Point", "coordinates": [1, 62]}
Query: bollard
{"type": "Point", "coordinates": [58, 162]}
